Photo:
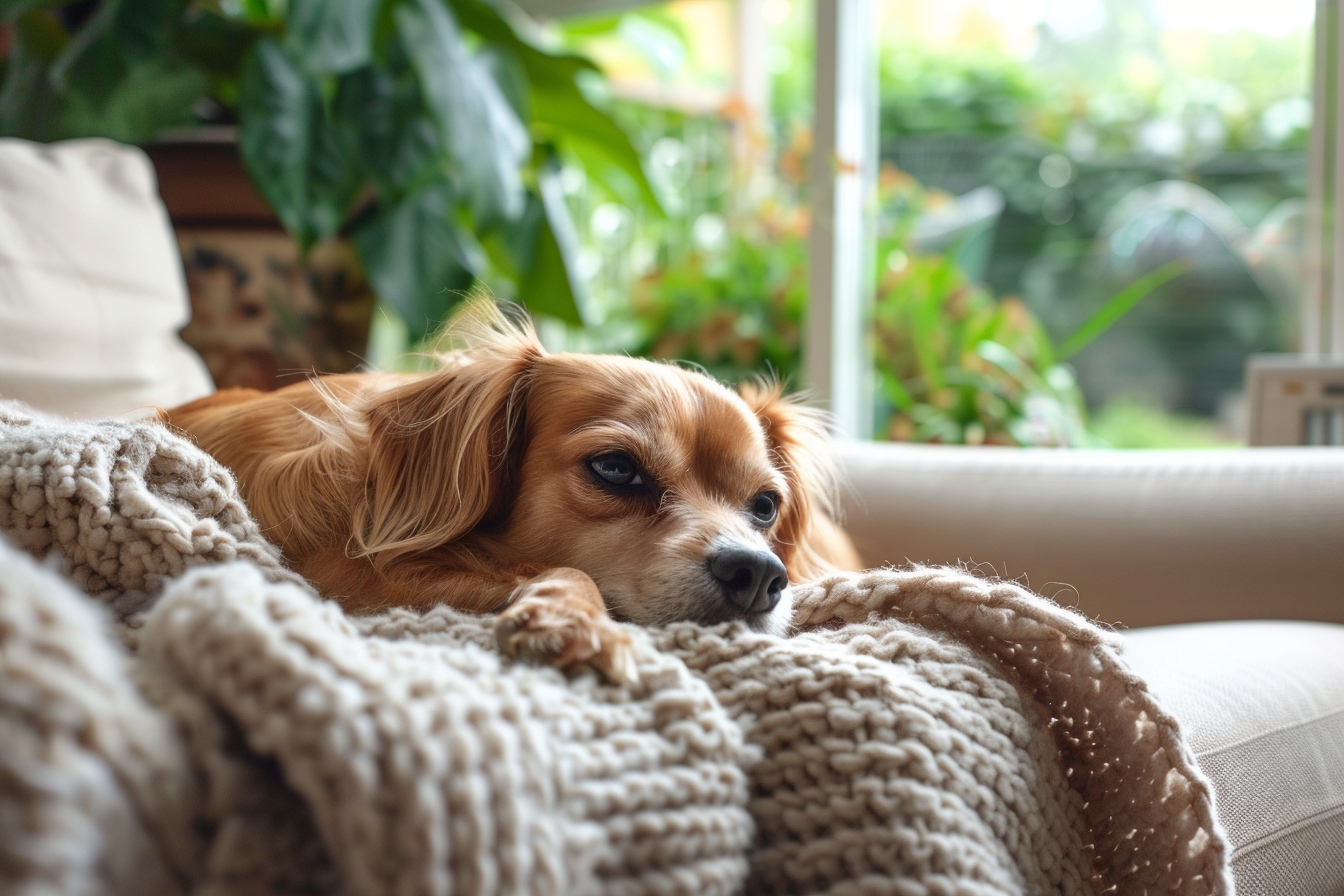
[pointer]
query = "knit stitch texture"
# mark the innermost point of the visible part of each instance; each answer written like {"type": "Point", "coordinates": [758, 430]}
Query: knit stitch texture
{"type": "Point", "coordinates": [925, 732]}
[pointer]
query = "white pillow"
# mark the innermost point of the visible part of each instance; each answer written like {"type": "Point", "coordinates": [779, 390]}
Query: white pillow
{"type": "Point", "coordinates": [91, 288]}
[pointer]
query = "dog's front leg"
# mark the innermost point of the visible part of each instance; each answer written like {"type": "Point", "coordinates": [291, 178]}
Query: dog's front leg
{"type": "Point", "coordinates": [557, 618]}
{"type": "Point", "coordinates": [552, 616]}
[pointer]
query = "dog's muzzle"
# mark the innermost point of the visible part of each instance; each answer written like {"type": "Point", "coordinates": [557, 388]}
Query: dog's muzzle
{"type": "Point", "coordinates": [752, 580]}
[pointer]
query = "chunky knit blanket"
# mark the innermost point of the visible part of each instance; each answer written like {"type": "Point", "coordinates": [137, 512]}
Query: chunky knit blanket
{"type": "Point", "coordinates": [925, 731]}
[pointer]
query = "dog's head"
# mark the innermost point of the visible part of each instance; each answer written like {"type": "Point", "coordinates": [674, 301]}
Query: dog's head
{"type": "Point", "coordinates": [681, 498]}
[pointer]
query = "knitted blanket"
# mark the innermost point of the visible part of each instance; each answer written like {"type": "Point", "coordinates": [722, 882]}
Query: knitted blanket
{"type": "Point", "coordinates": [925, 731]}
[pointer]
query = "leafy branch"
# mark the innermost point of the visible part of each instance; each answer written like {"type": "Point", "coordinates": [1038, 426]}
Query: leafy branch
{"type": "Point", "coordinates": [429, 132]}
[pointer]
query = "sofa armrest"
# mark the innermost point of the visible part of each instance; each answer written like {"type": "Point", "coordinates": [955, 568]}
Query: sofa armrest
{"type": "Point", "coordinates": [1261, 705]}
{"type": "Point", "coordinates": [1129, 537]}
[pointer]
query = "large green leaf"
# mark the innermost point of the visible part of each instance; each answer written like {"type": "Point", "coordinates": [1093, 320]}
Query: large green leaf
{"type": "Point", "coordinates": [397, 142]}
{"type": "Point", "coordinates": [479, 129]}
{"type": "Point", "coordinates": [261, 10]}
{"type": "Point", "coordinates": [506, 70]}
{"type": "Point", "coordinates": [561, 112]}
{"type": "Point", "coordinates": [549, 282]}
{"type": "Point", "coordinates": [612, 23]}
{"type": "Point", "coordinates": [300, 160]}
{"type": "Point", "coordinates": [563, 115]}
{"type": "Point", "coordinates": [418, 258]}
{"type": "Point", "coordinates": [495, 22]}
{"type": "Point", "coordinates": [331, 36]}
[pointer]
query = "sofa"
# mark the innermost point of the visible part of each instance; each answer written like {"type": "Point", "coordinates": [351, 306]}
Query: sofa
{"type": "Point", "coordinates": [1221, 568]}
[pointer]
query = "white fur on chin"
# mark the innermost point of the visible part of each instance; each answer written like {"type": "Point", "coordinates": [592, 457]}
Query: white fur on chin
{"type": "Point", "coordinates": [778, 621]}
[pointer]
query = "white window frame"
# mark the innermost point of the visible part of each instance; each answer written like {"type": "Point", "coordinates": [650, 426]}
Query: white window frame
{"type": "Point", "coordinates": [842, 239]}
{"type": "Point", "coordinates": [1323, 305]}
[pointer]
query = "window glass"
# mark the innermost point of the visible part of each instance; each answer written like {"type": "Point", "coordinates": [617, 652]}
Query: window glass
{"type": "Point", "coordinates": [1090, 211]}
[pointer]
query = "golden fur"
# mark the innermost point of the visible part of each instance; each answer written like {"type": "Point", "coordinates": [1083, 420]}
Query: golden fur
{"type": "Point", "coordinates": [474, 485]}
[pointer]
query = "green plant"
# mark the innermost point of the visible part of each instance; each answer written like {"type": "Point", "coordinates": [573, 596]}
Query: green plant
{"type": "Point", "coordinates": [953, 363]}
{"type": "Point", "coordinates": [959, 367]}
{"type": "Point", "coordinates": [1133, 424]}
{"type": "Point", "coordinates": [925, 93]}
{"type": "Point", "coordinates": [428, 131]}
{"type": "Point", "coordinates": [734, 313]}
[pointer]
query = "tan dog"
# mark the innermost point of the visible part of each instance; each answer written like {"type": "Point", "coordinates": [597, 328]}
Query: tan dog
{"type": "Point", "coordinates": [553, 488]}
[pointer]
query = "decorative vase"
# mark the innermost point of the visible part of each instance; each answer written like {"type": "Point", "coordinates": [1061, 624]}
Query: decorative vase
{"type": "Point", "coordinates": [263, 315]}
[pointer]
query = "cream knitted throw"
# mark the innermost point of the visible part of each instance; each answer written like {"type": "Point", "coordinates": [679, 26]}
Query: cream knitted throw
{"type": "Point", "coordinates": [926, 732]}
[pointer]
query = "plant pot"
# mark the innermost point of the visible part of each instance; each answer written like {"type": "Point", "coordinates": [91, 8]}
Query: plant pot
{"type": "Point", "coordinates": [262, 315]}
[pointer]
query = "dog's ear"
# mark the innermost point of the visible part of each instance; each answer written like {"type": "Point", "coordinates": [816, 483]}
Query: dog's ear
{"type": "Point", "coordinates": [799, 444]}
{"type": "Point", "coordinates": [444, 449]}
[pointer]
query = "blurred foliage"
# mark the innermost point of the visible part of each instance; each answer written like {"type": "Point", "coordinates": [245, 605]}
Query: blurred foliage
{"type": "Point", "coordinates": [430, 132]}
{"type": "Point", "coordinates": [925, 93]}
{"type": "Point", "coordinates": [735, 312]}
{"type": "Point", "coordinates": [1132, 423]}
{"type": "Point", "coordinates": [1130, 84]}
{"type": "Point", "coordinates": [1127, 87]}
{"type": "Point", "coordinates": [954, 364]}
{"type": "Point", "coordinates": [1064, 125]}
{"type": "Point", "coordinates": [958, 367]}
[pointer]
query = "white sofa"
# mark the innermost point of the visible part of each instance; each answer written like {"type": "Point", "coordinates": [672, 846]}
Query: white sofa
{"type": "Point", "coordinates": [1225, 569]}
{"type": "Point", "coordinates": [1135, 539]}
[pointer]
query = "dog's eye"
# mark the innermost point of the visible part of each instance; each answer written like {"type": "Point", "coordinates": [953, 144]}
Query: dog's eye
{"type": "Point", "coordinates": [616, 469]}
{"type": "Point", "coordinates": [764, 507]}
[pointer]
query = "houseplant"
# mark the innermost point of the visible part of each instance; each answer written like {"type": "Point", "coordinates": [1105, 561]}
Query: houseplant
{"type": "Point", "coordinates": [428, 132]}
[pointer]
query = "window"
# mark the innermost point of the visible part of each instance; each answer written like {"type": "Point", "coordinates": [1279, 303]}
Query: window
{"type": "Point", "coordinates": [1048, 162]}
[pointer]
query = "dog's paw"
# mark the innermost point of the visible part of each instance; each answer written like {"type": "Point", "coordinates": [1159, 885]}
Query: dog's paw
{"type": "Point", "coordinates": [558, 619]}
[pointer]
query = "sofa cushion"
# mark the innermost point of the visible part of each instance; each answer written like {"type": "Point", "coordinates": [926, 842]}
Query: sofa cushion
{"type": "Point", "coordinates": [1262, 706]}
{"type": "Point", "coordinates": [91, 288]}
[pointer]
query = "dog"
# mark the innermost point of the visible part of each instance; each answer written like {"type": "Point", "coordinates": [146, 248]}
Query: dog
{"type": "Point", "coordinates": [558, 490]}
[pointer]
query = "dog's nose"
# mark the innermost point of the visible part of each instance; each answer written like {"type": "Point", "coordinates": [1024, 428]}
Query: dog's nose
{"type": "Point", "coordinates": [752, 580]}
